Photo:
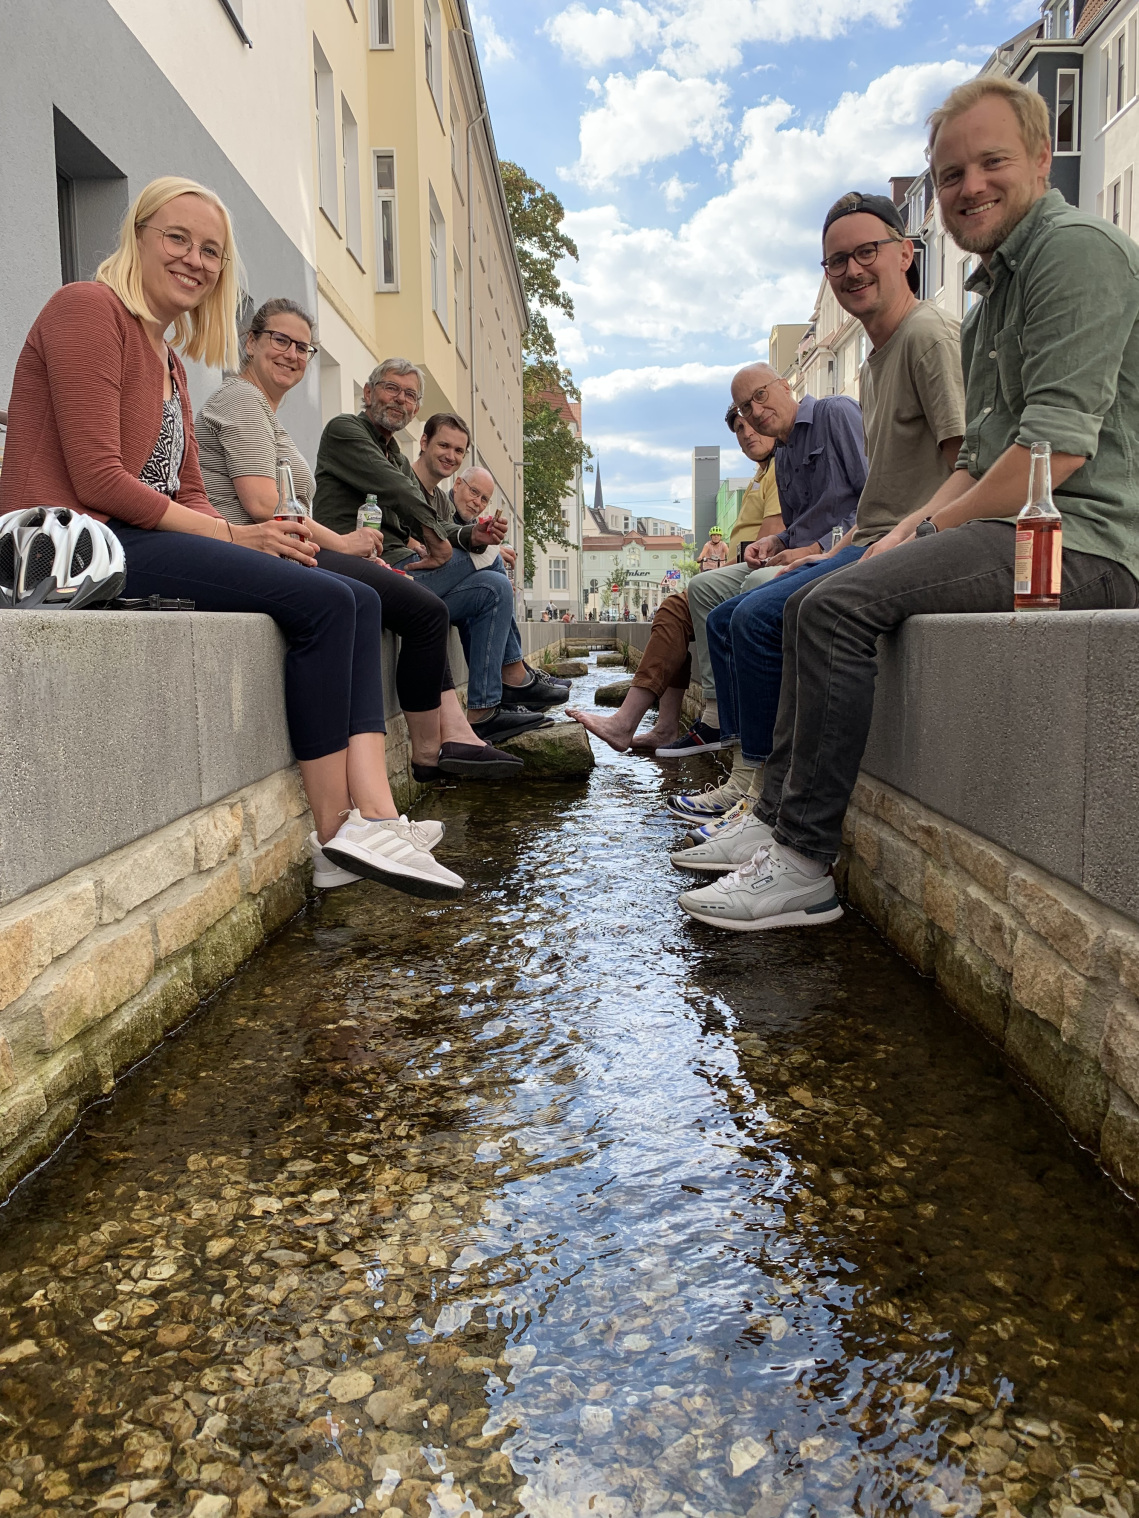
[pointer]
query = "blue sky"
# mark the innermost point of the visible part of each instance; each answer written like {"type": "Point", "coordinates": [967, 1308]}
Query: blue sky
{"type": "Point", "coordinates": [696, 145]}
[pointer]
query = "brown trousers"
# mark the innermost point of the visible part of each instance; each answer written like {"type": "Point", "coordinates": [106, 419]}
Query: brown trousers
{"type": "Point", "coordinates": [666, 664]}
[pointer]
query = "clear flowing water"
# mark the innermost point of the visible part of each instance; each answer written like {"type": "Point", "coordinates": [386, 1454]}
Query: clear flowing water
{"type": "Point", "coordinates": [552, 1202]}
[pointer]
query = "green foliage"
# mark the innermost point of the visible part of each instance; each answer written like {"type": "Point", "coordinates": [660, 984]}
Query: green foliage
{"type": "Point", "coordinates": [618, 575]}
{"type": "Point", "coordinates": [688, 568]}
{"type": "Point", "coordinates": [552, 451]}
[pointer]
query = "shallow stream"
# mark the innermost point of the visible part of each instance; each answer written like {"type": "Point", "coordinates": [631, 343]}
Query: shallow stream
{"type": "Point", "coordinates": [553, 1202]}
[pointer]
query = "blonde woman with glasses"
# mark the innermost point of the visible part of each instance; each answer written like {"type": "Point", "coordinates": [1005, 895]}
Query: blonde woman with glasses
{"type": "Point", "coordinates": [100, 421]}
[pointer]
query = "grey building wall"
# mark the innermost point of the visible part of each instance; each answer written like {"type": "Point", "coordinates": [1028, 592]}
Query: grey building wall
{"type": "Point", "coordinates": [76, 87]}
{"type": "Point", "coordinates": [705, 486]}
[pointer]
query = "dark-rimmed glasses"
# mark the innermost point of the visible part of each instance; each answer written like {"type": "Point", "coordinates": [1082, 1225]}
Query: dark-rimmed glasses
{"type": "Point", "coordinates": [180, 244]}
{"type": "Point", "coordinates": [864, 254]}
{"type": "Point", "coordinates": [410, 396]}
{"type": "Point", "coordinates": [283, 342]}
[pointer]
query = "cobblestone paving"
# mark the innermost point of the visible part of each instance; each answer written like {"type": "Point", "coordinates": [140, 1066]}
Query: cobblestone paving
{"type": "Point", "coordinates": [549, 1202]}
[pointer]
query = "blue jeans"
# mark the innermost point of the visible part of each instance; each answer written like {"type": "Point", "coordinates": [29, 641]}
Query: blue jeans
{"type": "Point", "coordinates": [481, 605]}
{"type": "Point", "coordinates": [745, 648]}
{"type": "Point", "coordinates": [514, 642]}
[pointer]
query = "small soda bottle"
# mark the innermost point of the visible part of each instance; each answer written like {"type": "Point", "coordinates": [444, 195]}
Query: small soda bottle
{"type": "Point", "coordinates": [289, 509]}
{"type": "Point", "coordinates": [1039, 532]}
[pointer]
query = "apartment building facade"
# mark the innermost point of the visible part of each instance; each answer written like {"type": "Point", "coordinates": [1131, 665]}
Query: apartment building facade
{"type": "Point", "coordinates": [414, 252]}
{"type": "Point", "coordinates": [97, 97]}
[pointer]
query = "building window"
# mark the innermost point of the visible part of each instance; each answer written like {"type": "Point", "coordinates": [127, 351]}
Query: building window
{"type": "Point", "coordinates": [456, 143]}
{"type": "Point", "coordinates": [966, 295]}
{"type": "Point", "coordinates": [433, 51]}
{"type": "Point", "coordinates": [387, 266]}
{"type": "Point", "coordinates": [1064, 21]}
{"type": "Point", "coordinates": [1067, 111]}
{"type": "Point", "coordinates": [325, 134]}
{"type": "Point", "coordinates": [381, 31]}
{"type": "Point", "coordinates": [559, 574]}
{"type": "Point", "coordinates": [1118, 59]}
{"type": "Point", "coordinates": [350, 151]}
{"type": "Point", "coordinates": [437, 241]}
{"type": "Point", "coordinates": [1115, 203]}
{"type": "Point", "coordinates": [460, 307]}
{"type": "Point", "coordinates": [941, 260]}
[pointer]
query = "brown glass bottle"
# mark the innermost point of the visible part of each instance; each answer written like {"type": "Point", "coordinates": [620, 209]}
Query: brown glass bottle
{"type": "Point", "coordinates": [1039, 539]}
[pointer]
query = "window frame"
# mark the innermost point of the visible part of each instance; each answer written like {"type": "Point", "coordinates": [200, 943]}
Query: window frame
{"type": "Point", "coordinates": [437, 257]}
{"type": "Point", "coordinates": [433, 52]}
{"type": "Point", "coordinates": [327, 162]}
{"type": "Point", "coordinates": [560, 568]}
{"type": "Point", "coordinates": [382, 196]}
{"type": "Point", "coordinates": [381, 17]}
{"type": "Point", "coordinates": [1067, 152]}
{"type": "Point", "coordinates": [350, 167]}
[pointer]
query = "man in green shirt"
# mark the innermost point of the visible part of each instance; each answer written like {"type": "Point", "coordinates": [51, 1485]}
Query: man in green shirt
{"type": "Point", "coordinates": [1050, 353]}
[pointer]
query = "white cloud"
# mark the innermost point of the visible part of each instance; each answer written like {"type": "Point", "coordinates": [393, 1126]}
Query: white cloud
{"type": "Point", "coordinates": [618, 382]}
{"type": "Point", "coordinates": [706, 36]}
{"type": "Point", "coordinates": [492, 46]}
{"type": "Point", "coordinates": [675, 191]}
{"type": "Point", "coordinates": [638, 445]}
{"type": "Point", "coordinates": [648, 117]}
{"type": "Point", "coordinates": [593, 38]}
{"type": "Point", "coordinates": [749, 256]}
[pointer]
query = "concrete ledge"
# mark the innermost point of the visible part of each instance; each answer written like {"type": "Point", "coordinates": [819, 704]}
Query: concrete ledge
{"type": "Point", "coordinates": [1042, 968]}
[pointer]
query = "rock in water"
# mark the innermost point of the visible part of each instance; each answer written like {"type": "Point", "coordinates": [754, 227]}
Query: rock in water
{"type": "Point", "coordinates": [611, 661]}
{"type": "Point", "coordinates": [561, 752]}
{"type": "Point", "coordinates": [570, 669]}
{"type": "Point", "coordinates": [613, 695]}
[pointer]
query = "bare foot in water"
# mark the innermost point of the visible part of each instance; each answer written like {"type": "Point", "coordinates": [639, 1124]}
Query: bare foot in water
{"type": "Point", "coordinates": [615, 730]}
{"type": "Point", "coordinates": [655, 737]}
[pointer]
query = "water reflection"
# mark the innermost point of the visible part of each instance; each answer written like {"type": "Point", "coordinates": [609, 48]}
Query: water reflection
{"type": "Point", "coordinates": [552, 1202]}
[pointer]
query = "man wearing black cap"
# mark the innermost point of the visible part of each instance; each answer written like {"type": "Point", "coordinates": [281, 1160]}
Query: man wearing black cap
{"type": "Point", "coordinates": [913, 411]}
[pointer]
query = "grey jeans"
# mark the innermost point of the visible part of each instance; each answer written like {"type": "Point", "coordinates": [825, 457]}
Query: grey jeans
{"type": "Point", "coordinates": [830, 633]}
{"type": "Point", "coordinates": [707, 591]}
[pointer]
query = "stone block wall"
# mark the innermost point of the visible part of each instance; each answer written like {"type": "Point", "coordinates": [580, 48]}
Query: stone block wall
{"type": "Point", "coordinates": [1043, 969]}
{"type": "Point", "coordinates": [98, 966]}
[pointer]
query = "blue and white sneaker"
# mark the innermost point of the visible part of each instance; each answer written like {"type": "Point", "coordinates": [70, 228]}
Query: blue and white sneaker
{"type": "Point", "coordinates": [767, 892]}
{"type": "Point", "coordinates": [710, 803]}
{"type": "Point", "coordinates": [707, 830]}
{"type": "Point", "coordinates": [699, 739]}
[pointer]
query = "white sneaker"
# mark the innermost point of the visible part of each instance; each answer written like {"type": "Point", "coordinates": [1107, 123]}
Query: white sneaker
{"type": "Point", "coordinates": [326, 876]}
{"type": "Point", "coordinates": [395, 852]}
{"type": "Point", "coordinates": [729, 849]}
{"type": "Point", "coordinates": [708, 830]}
{"type": "Point", "coordinates": [767, 892]}
{"type": "Point", "coordinates": [708, 804]}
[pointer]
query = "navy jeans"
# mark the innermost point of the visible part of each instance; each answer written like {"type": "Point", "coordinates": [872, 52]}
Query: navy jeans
{"type": "Point", "coordinates": [745, 649]}
{"type": "Point", "coordinates": [481, 605]}
{"type": "Point", "coordinates": [333, 671]}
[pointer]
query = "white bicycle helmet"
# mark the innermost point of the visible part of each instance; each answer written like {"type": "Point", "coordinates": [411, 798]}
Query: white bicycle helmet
{"type": "Point", "coordinates": [51, 556]}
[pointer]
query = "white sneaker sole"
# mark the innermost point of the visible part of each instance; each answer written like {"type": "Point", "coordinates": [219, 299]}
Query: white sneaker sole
{"type": "Point", "coordinates": [390, 873]}
{"type": "Point", "coordinates": [808, 919]}
{"type": "Point", "coordinates": [705, 866]}
{"type": "Point", "coordinates": [328, 880]}
{"type": "Point", "coordinates": [695, 748]}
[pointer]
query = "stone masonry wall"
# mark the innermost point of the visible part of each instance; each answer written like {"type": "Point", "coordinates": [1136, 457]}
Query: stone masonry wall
{"type": "Point", "coordinates": [1047, 973]}
{"type": "Point", "coordinates": [98, 966]}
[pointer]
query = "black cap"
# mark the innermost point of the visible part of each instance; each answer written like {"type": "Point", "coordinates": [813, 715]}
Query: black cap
{"type": "Point", "coordinates": [873, 205]}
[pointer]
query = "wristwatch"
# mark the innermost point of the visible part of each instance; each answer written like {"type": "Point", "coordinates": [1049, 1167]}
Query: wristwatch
{"type": "Point", "coordinates": [925, 528]}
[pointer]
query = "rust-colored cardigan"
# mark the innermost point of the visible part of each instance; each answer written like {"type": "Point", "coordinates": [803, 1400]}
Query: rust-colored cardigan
{"type": "Point", "coordinates": [85, 414]}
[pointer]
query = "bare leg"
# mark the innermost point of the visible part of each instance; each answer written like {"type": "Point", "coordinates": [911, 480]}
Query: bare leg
{"type": "Point", "coordinates": [453, 724]}
{"type": "Point", "coordinates": [424, 731]}
{"type": "Point", "coordinates": [515, 674]}
{"type": "Point", "coordinates": [617, 731]}
{"type": "Point", "coordinates": [666, 728]}
{"type": "Point", "coordinates": [356, 776]}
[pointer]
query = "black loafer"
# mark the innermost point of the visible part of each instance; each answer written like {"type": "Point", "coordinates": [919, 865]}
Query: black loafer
{"type": "Point", "coordinates": [477, 761]}
{"type": "Point", "coordinates": [508, 724]}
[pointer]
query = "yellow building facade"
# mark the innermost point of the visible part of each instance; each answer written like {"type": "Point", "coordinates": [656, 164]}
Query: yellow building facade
{"type": "Point", "coordinates": [414, 252]}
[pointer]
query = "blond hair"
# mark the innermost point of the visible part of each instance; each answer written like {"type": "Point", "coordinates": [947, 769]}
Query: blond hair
{"type": "Point", "coordinates": [209, 331]}
{"type": "Point", "coordinates": [1027, 106]}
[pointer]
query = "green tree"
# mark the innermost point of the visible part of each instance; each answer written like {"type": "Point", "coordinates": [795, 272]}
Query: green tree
{"type": "Point", "coordinates": [551, 449]}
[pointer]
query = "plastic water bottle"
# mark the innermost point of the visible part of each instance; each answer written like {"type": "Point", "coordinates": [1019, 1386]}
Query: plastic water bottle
{"type": "Point", "coordinates": [289, 509]}
{"type": "Point", "coordinates": [370, 515]}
